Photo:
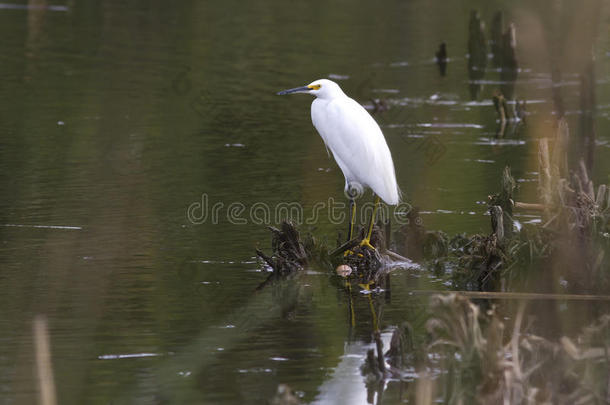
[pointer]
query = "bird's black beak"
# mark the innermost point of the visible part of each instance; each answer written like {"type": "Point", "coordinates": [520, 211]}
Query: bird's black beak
{"type": "Point", "coordinates": [303, 89]}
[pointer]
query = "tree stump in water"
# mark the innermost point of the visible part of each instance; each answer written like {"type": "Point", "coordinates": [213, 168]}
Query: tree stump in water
{"type": "Point", "coordinates": [364, 262]}
{"type": "Point", "coordinates": [291, 254]}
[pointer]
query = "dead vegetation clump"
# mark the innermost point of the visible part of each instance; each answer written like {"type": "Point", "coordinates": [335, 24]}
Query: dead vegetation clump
{"type": "Point", "coordinates": [292, 253]}
{"type": "Point", "coordinates": [472, 356]}
{"type": "Point", "coordinates": [490, 362]}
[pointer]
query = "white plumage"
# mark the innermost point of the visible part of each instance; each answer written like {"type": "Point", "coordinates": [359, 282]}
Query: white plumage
{"type": "Point", "coordinates": [353, 137]}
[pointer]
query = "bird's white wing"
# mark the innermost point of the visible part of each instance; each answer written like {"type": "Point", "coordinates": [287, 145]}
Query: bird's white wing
{"type": "Point", "coordinates": [357, 144]}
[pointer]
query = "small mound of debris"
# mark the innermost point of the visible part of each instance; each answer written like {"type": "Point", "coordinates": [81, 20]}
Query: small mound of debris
{"type": "Point", "coordinates": [289, 253]}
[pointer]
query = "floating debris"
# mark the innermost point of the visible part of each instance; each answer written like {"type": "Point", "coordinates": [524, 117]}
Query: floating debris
{"type": "Point", "coordinates": [379, 105]}
{"type": "Point", "coordinates": [335, 76]}
{"type": "Point", "coordinates": [12, 6]}
{"type": "Point", "coordinates": [126, 356]}
{"type": "Point", "coordinates": [76, 228]}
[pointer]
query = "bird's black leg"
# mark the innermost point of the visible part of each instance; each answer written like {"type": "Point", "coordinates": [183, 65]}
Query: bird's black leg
{"type": "Point", "coordinates": [352, 219]}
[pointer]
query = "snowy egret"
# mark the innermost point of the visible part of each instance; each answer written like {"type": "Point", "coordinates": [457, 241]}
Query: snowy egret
{"type": "Point", "coordinates": [357, 144]}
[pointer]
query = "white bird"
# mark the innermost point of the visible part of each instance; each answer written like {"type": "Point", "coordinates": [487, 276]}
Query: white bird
{"type": "Point", "coordinates": [357, 144]}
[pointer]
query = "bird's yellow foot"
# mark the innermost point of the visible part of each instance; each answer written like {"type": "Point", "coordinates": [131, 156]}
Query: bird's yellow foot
{"type": "Point", "coordinates": [350, 252]}
{"type": "Point", "coordinates": [367, 286]}
{"type": "Point", "coordinates": [366, 242]}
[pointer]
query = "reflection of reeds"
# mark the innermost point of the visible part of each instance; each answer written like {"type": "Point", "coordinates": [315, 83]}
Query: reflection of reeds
{"type": "Point", "coordinates": [496, 30]}
{"type": "Point", "coordinates": [485, 366]}
{"type": "Point", "coordinates": [477, 46]}
{"type": "Point", "coordinates": [477, 53]}
{"type": "Point", "coordinates": [468, 355]}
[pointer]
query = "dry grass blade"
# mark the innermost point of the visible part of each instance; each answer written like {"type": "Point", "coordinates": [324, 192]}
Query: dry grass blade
{"type": "Point", "coordinates": [44, 365]}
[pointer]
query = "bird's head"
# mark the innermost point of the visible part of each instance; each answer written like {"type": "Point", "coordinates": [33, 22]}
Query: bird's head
{"type": "Point", "coordinates": [322, 88]}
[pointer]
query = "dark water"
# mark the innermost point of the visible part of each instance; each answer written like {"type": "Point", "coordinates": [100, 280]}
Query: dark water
{"type": "Point", "coordinates": [115, 118]}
